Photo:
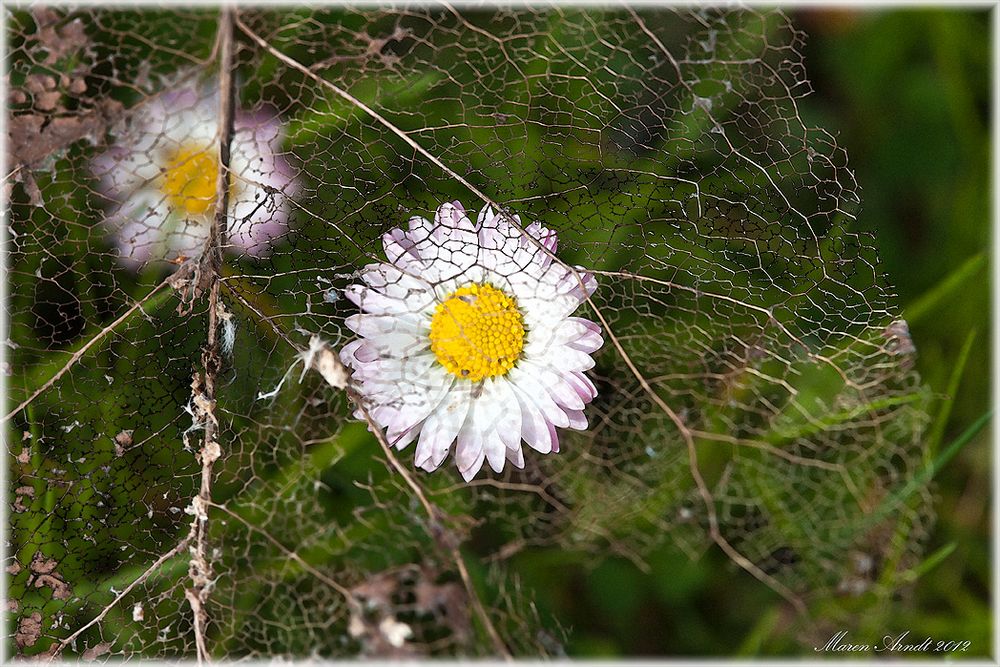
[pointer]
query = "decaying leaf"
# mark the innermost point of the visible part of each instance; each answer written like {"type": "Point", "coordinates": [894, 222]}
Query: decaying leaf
{"type": "Point", "coordinates": [754, 393]}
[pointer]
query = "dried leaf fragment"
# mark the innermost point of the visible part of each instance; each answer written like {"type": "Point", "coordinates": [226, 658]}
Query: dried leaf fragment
{"type": "Point", "coordinates": [898, 340]}
{"type": "Point", "coordinates": [44, 575]}
{"type": "Point", "coordinates": [42, 565]}
{"type": "Point", "coordinates": [449, 601]}
{"type": "Point", "coordinates": [31, 140]}
{"type": "Point", "coordinates": [123, 441]}
{"type": "Point", "coordinates": [57, 40]}
{"type": "Point", "coordinates": [95, 652]}
{"type": "Point", "coordinates": [29, 630]}
{"type": "Point", "coordinates": [321, 358]}
{"type": "Point", "coordinates": [20, 494]}
{"type": "Point", "coordinates": [60, 589]}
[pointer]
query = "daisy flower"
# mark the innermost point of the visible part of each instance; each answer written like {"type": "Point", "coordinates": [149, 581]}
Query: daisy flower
{"type": "Point", "coordinates": [163, 173]}
{"type": "Point", "coordinates": [467, 339]}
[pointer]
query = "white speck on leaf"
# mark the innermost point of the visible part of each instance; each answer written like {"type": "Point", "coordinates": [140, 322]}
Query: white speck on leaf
{"type": "Point", "coordinates": [395, 633]}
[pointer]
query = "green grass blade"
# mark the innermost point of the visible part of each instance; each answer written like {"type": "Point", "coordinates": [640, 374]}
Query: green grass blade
{"type": "Point", "coordinates": [931, 469]}
{"type": "Point", "coordinates": [787, 433]}
{"type": "Point", "coordinates": [755, 639]}
{"type": "Point", "coordinates": [944, 289]}
{"type": "Point", "coordinates": [937, 429]}
{"type": "Point", "coordinates": [929, 563]}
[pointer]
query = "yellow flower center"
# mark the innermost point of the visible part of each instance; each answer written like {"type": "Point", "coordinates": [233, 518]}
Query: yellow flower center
{"type": "Point", "coordinates": [190, 177]}
{"type": "Point", "coordinates": [477, 332]}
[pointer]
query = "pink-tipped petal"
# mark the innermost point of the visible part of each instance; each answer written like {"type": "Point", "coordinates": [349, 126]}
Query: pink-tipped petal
{"type": "Point", "coordinates": [589, 342]}
{"type": "Point", "coordinates": [401, 440]}
{"type": "Point", "coordinates": [534, 427]}
{"type": "Point", "coordinates": [451, 215]}
{"type": "Point", "coordinates": [516, 457]}
{"type": "Point", "coordinates": [358, 352]}
{"type": "Point", "coordinates": [486, 219]}
{"type": "Point", "coordinates": [554, 436]}
{"type": "Point", "coordinates": [538, 392]}
{"type": "Point", "coordinates": [508, 424]}
{"type": "Point", "coordinates": [399, 248]}
{"type": "Point", "coordinates": [577, 420]}
{"type": "Point", "coordinates": [585, 389]}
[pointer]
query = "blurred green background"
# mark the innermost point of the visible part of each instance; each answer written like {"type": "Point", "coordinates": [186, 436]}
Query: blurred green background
{"type": "Point", "coordinates": [907, 93]}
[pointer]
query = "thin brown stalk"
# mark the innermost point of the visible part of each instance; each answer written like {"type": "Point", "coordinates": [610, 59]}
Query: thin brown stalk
{"type": "Point", "coordinates": [204, 388]}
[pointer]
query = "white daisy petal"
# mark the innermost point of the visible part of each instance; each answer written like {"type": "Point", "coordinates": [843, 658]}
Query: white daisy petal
{"type": "Point", "coordinates": [508, 424]}
{"type": "Point", "coordinates": [409, 414]}
{"type": "Point", "coordinates": [401, 440]}
{"type": "Point", "coordinates": [570, 284]}
{"type": "Point", "coordinates": [573, 328]}
{"type": "Point", "coordinates": [451, 216]}
{"type": "Point", "coordinates": [400, 249]}
{"type": "Point", "coordinates": [577, 420]}
{"type": "Point", "coordinates": [452, 248]}
{"type": "Point", "coordinates": [392, 282]}
{"type": "Point", "coordinates": [489, 417]}
{"type": "Point", "coordinates": [422, 232]}
{"type": "Point", "coordinates": [583, 385]}
{"type": "Point", "coordinates": [469, 472]}
{"type": "Point", "coordinates": [588, 343]}
{"type": "Point", "coordinates": [557, 385]}
{"type": "Point", "coordinates": [538, 393]}
{"type": "Point", "coordinates": [534, 426]}
{"type": "Point", "coordinates": [553, 436]}
{"type": "Point", "coordinates": [516, 457]}
{"type": "Point", "coordinates": [377, 303]}
{"type": "Point", "coordinates": [546, 238]}
{"type": "Point", "coordinates": [135, 227]}
{"type": "Point", "coordinates": [406, 379]}
{"type": "Point", "coordinates": [358, 352]}
{"type": "Point", "coordinates": [469, 451]}
{"type": "Point", "coordinates": [567, 358]}
{"type": "Point", "coordinates": [496, 451]}
{"type": "Point", "coordinates": [442, 427]}
{"type": "Point", "coordinates": [370, 325]}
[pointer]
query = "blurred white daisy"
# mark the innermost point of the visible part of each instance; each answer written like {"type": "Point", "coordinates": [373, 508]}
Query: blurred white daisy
{"type": "Point", "coordinates": [467, 338]}
{"type": "Point", "coordinates": [162, 175]}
